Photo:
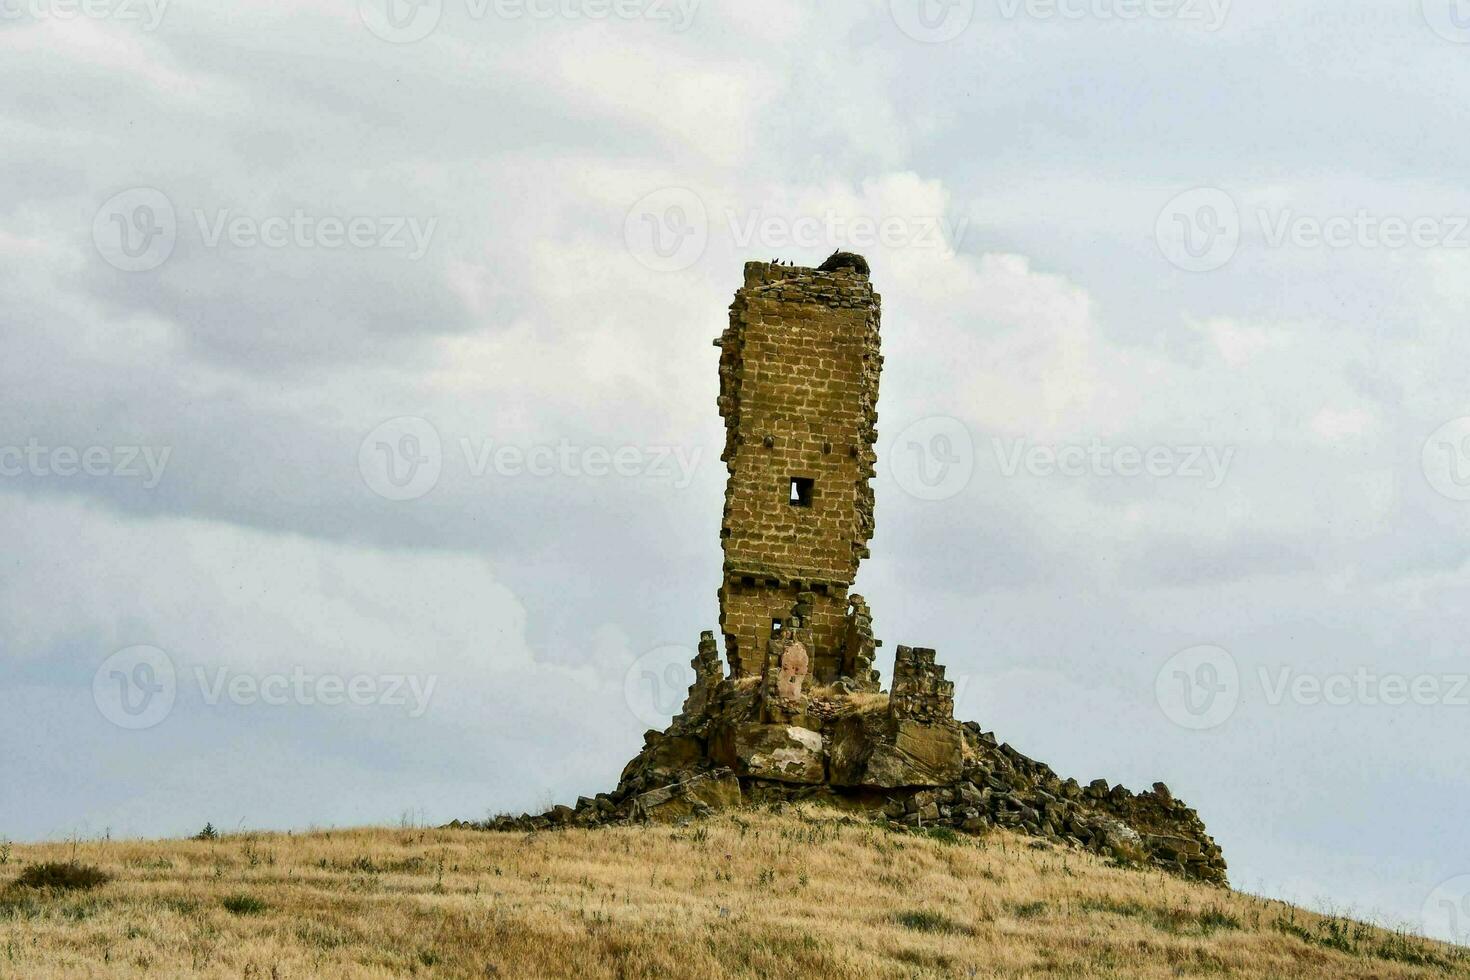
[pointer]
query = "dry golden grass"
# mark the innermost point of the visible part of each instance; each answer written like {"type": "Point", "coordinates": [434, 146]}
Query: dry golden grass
{"type": "Point", "coordinates": [804, 893]}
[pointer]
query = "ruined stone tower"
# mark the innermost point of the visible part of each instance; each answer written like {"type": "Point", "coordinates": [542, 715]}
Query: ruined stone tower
{"type": "Point", "coordinates": [801, 716]}
{"type": "Point", "coordinates": [799, 369]}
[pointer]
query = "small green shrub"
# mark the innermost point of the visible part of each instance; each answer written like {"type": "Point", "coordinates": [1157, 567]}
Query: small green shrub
{"type": "Point", "coordinates": [945, 835]}
{"type": "Point", "coordinates": [923, 920]}
{"type": "Point", "coordinates": [1216, 918]}
{"type": "Point", "coordinates": [243, 905]}
{"type": "Point", "coordinates": [62, 876]}
{"type": "Point", "coordinates": [208, 833]}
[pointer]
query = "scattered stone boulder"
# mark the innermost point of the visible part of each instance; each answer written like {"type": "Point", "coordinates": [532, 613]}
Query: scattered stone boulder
{"type": "Point", "coordinates": [915, 755]}
{"type": "Point", "coordinates": [707, 791]}
{"type": "Point", "coordinates": [784, 753]}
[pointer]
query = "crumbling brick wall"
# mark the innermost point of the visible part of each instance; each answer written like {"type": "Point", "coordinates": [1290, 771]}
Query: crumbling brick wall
{"type": "Point", "coordinates": [799, 368]}
{"type": "Point", "coordinates": [706, 664]}
{"type": "Point", "coordinates": [919, 691]}
{"type": "Point", "coordinates": [858, 644]}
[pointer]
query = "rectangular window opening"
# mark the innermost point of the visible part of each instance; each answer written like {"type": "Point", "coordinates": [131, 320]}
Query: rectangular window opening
{"type": "Point", "coordinates": [775, 627]}
{"type": "Point", "coordinates": [801, 491]}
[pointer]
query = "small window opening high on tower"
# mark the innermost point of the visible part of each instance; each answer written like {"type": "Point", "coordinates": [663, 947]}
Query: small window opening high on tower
{"type": "Point", "coordinates": [801, 491]}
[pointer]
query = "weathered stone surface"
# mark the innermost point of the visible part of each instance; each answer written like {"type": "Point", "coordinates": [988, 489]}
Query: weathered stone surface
{"type": "Point", "coordinates": [794, 664]}
{"type": "Point", "coordinates": [850, 746]}
{"type": "Point", "coordinates": [917, 755]}
{"type": "Point", "coordinates": [920, 691]}
{"type": "Point", "coordinates": [707, 676]}
{"type": "Point", "coordinates": [708, 791]}
{"type": "Point", "coordinates": [676, 754]}
{"type": "Point", "coordinates": [786, 753]}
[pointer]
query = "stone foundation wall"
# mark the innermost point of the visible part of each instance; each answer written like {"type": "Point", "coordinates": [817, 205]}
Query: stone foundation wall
{"type": "Point", "coordinates": [748, 607]}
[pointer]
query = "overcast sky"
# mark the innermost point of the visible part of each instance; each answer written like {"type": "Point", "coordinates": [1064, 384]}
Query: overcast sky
{"type": "Point", "coordinates": [359, 455]}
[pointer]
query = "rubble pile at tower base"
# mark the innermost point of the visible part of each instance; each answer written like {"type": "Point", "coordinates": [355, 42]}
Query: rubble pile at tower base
{"type": "Point", "coordinates": [904, 762]}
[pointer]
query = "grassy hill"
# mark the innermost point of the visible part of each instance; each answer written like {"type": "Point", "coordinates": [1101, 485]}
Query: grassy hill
{"type": "Point", "coordinates": [800, 893]}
